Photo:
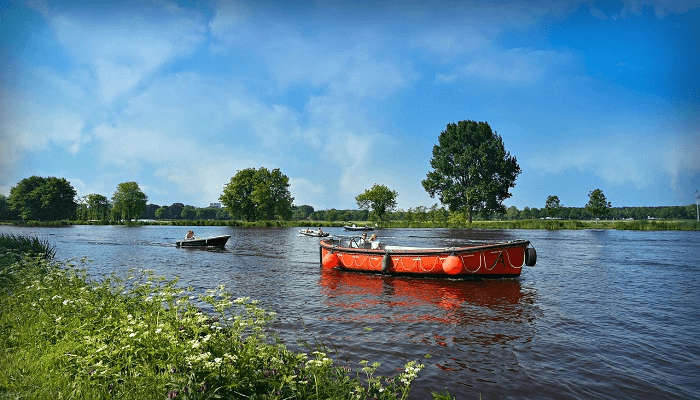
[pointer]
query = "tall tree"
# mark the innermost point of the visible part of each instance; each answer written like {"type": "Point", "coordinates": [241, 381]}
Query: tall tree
{"type": "Point", "coordinates": [4, 208]}
{"type": "Point", "coordinates": [175, 210]}
{"type": "Point", "coordinates": [150, 211]}
{"type": "Point", "coordinates": [552, 205]}
{"type": "Point", "coordinates": [98, 206]}
{"type": "Point", "coordinates": [258, 194]}
{"type": "Point", "coordinates": [162, 213]}
{"type": "Point", "coordinates": [271, 194]}
{"type": "Point", "coordinates": [39, 198]}
{"type": "Point", "coordinates": [472, 171]}
{"type": "Point", "coordinates": [379, 199]}
{"type": "Point", "coordinates": [302, 212]}
{"type": "Point", "coordinates": [129, 201]}
{"type": "Point", "coordinates": [597, 204]}
{"type": "Point", "coordinates": [188, 212]}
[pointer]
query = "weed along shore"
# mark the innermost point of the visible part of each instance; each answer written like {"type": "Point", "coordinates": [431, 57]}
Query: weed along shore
{"type": "Point", "coordinates": [65, 335]}
{"type": "Point", "coordinates": [549, 224]}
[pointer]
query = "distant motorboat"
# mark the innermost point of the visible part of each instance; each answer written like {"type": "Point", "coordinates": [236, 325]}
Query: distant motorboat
{"type": "Point", "coordinates": [309, 232]}
{"type": "Point", "coordinates": [214, 241]}
{"type": "Point", "coordinates": [354, 227]}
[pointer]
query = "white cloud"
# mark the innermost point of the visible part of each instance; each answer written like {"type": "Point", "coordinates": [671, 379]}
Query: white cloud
{"type": "Point", "coordinates": [27, 126]}
{"type": "Point", "coordinates": [625, 159]}
{"type": "Point", "coordinates": [517, 66]}
{"type": "Point", "coordinates": [122, 49]}
{"type": "Point", "coordinates": [662, 8]}
{"type": "Point", "coordinates": [305, 191]}
{"type": "Point", "coordinates": [681, 155]}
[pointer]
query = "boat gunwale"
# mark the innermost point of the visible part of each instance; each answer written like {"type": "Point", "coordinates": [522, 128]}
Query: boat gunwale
{"type": "Point", "coordinates": [426, 252]}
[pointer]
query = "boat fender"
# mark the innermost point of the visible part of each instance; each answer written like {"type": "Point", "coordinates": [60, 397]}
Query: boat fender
{"type": "Point", "coordinates": [452, 265]}
{"type": "Point", "coordinates": [331, 260]}
{"type": "Point", "coordinates": [386, 263]}
{"type": "Point", "coordinates": [530, 256]}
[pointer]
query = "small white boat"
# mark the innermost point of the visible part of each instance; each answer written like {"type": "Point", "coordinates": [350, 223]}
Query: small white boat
{"type": "Point", "coordinates": [354, 227]}
{"type": "Point", "coordinates": [309, 232]}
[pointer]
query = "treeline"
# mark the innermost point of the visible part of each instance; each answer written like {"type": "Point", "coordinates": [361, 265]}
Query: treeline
{"type": "Point", "coordinates": [437, 214]}
{"type": "Point", "coordinates": [262, 195]}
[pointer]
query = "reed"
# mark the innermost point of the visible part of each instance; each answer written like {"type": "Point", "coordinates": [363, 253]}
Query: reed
{"type": "Point", "coordinates": [21, 244]}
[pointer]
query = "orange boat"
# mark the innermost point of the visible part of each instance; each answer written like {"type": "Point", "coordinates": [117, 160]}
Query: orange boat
{"type": "Point", "coordinates": [482, 260]}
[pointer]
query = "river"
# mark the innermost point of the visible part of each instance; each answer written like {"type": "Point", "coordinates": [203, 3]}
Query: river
{"type": "Point", "coordinates": [604, 313]}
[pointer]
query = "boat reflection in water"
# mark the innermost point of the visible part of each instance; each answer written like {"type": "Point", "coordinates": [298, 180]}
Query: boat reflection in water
{"type": "Point", "coordinates": [424, 299]}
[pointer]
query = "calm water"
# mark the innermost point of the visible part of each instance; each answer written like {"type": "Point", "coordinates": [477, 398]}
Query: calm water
{"type": "Point", "coordinates": [604, 314]}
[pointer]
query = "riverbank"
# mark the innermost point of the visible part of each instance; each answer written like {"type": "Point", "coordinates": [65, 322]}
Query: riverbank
{"type": "Point", "coordinates": [637, 225]}
{"type": "Point", "coordinates": [64, 335]}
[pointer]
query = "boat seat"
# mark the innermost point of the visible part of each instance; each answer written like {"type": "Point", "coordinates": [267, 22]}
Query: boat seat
{"type": "Point", "coordinates": [399, 248]}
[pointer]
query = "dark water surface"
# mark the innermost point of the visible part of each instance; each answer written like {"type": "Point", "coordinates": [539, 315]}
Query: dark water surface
{"type": "Point", "coordinates": [604, 314]}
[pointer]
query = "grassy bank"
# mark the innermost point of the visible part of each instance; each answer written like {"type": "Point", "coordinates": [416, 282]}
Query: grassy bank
{"type": "Point", "coordinates": [63, 335]}
{"type": "Point", "coordinates": [641, 225]}
{"type": "Point", "coordinates": [638, 225]}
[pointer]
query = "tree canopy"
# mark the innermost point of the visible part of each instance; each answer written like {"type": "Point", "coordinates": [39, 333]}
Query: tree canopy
{"type": "Point", "coordinates": [597, 204]}
{"type": "Point", "coordinates": [379, 199]}
{"type": "Point", "coordinates": [472, 171]}
{"type": "Point", "coordinates": [43, 199]}
{"type": "Point", "coordinates": [129, 201]}
{"type": "Point", "coordinates": [98, 206]}
{"type": "Point", "coordinates": [552, 205]}
{"type": "Point", "coordinates": [254, 194]}
{"type": "Point", "coordinates": [5, 212]}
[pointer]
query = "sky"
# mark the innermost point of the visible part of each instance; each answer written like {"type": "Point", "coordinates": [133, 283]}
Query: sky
{"type": "Point", "coordinates": [179, 96]}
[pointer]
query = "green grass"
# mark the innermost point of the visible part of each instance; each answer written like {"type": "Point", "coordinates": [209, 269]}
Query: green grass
{"type": "Point", "coordinates": [642, 225]}
{"type": "Point", "coordinates": [63, 335]}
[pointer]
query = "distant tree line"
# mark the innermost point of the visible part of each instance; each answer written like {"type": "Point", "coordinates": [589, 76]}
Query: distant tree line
{"type": "Point", "coordinates": [31, 201]}
{"type": "Point", "coordinates": [471, 175]}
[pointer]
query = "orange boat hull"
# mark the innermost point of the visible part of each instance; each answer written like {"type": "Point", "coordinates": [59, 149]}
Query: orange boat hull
{"type": "Point", "coordinates": [492, 260]}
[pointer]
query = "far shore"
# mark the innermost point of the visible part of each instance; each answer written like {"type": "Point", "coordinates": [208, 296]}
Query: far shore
{"type": "Point", "coordinates": [549, 224]}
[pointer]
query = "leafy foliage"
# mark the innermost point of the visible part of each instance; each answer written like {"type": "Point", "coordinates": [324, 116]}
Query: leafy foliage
{"type": "Point", "coordinates": [597, 204]}
{"type": "Point", "coordinates": [258, 194]}
{"type": "Point", "coordinates": [43, 199]}
{"type": "Point", "coordinates": [552, 205]}
{"type": "Point", "coordinates": [472, 171]}
{"type": "Point", "coordinates": [5, 212]}
{"type": "Point", "coordinates": [188, 212]}
{"type": "Point", "coordinates": [129, 201]}
{"type": "Point", "coordinates": [98, 206]}
{"type": "Point", "coordinates": [144, 337]}
{"type": "Point", "coordinates": [379, 199]}
{"type": "Point", "coordinates": [302, 212]}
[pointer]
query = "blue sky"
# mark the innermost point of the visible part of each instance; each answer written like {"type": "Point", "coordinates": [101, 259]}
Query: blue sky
{"type": "Point", "coordinates": [178, 96]}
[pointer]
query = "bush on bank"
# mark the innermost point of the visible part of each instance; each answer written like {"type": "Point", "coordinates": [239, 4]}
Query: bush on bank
{"type": "Point", "coordinates": [63, 335]}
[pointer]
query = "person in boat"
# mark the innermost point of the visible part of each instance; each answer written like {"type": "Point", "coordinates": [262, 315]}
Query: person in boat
{"type": "Point", "coordinates": [373, 242]}
{"type": "Point", "coordinates": [190, 235]}
{"type": "Point", "coordinates": [320, 231]}
{"type": "Point", "coordinates": [363, 240]}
